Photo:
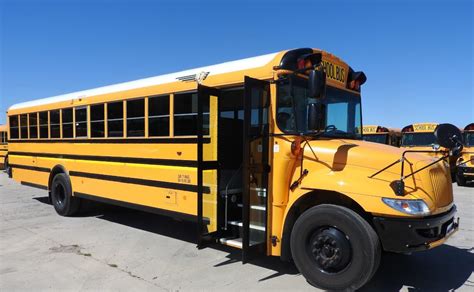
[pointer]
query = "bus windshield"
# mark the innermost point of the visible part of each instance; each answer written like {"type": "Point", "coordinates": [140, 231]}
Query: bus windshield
{"type": "Point", "coordinates": [418, 139]}
{"type": "Point", "coordinates": [469, 138]}
{"type": "Point", "coordinates": [377, 138]}
{"type": "Point", "coordinates": [342, 110]}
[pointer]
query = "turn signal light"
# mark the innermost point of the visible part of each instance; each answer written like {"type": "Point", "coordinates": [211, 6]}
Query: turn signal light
{"type": "Point", "coordinates": [354, 85]}
{"type": "Point", "coordinates": [296, 147]}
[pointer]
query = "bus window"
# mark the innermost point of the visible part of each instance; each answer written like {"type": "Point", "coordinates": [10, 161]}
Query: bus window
{"type": "Point", "coordinates": [43, 121]}
{"type": "Point", "coordinates": [377, 138]}
{"type": "Point", "coordinates": [33, 125]}
{"type": "Point", "coordinates": [81, 122]}
{"type": "Point", "coordinates": [54, 125]}
{"type": "Point", "coordinates": [14, 129]}
{"type": "Point", "coordinates": [67, 123]}
{"type": "Point", "coordinates": [418, 139]}
{"type": "Point", "coordinates": [185, 115]}
{"type": "Point", "coordinates": [97, 121]}
{"type": "Point", "coordinates": [24, 126]}
{"type": "Point", "coordinates": [136, 118]}
{"type": "Point", "coordinates": [159, 116]}
{"type": "Point", "coordinates": [115, 119]}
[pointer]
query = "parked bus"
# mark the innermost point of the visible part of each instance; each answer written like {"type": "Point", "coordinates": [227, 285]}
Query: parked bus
{"type": "Point", "coordinates": [421, 136]}
{"type": "Point", "coordinates": [383, 135]}
{"type": "Point", "coordinates": [3, 147]}
{"type": "Point", "coordinates": [465, 163]}
{"type": "Point", "coordinates": [264, 154]}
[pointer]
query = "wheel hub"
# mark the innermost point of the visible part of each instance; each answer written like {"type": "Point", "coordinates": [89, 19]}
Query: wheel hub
{"type": "Point", "coordinates": [330, 249]}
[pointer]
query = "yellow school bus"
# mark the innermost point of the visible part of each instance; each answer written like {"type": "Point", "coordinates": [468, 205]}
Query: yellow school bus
{"type": "Point", "coordinates": [420, 136]}
{"type": "Point", "coordinates": [3, 147]}
{"type": "Point", "coordinates": [380, 134]}
{"type": "Point", "coordinates": [465, 163]}
{"type": "Point", "coordinates": [264, 154]}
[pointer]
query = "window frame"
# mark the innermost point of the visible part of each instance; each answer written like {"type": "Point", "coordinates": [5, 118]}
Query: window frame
{"type": "Point", "coordinates": [194, 114]}
{"type": "Point", "coordinates": [72, 123]}
{"type": "Point", "coordinates": [40, 125]}
{"type": "Point", "coordinates": [103, 121]}
{"type": "Point", "coordinates": [55, 124]}
{"type": "Point", "coordinates": [77, 108]}
{"type": "Point", "coordinates": [17, 127]}
{"type": "Point", "coordinates": [30, 127]}
{"type": "Point", "coordinates": [158, 117]}
{"type": "Point", "coordinates": [126, 118]}
{"type": "Point", "coordinates": [108, 119]}
{"type": "Point", "coordinates": [21, 126]}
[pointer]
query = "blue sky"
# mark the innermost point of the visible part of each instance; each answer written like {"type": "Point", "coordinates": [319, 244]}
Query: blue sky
{"type": "Point", "coordinates": [417, 55]}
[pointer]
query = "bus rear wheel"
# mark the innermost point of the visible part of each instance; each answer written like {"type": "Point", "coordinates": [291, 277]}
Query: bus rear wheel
{"type": "Point", "coordinates": [61, 196]}
{"type": "Point", "coordinates": [334, 248]}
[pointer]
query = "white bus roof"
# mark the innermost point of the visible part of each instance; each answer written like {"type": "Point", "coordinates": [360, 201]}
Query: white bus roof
{"type": "Point", "coordinates": [226, 67]}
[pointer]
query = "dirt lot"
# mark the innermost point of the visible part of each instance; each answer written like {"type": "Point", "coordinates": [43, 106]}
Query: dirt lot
{"type": "Point", "coordinates": [111, 248]}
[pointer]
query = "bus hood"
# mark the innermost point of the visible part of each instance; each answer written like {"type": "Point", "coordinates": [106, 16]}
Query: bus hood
{"type": "Point", "coordinates": [347, 165]}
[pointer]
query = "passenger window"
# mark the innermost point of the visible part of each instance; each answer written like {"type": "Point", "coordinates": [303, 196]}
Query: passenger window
{"type": "Point", "coordinates": [68, 123]}
{"type": "Point", "coordinates": [33, 125]}
{"type": "Point", "coordinates": [115, 119]}
{"type": "Point", "coordinates": [81, 122]}
{"type": "Point", "coordinates": [136, 118]}
{"type": "Point", "coordinates": [185, 115]}
{"type": "Point", "coordinates": [43, 121]}
{"type": "Point", "coordinates": [24, 126]}
{"type": "Point", "coordinates": [97, 121]}
{"type": "Point", "coordinates": [54, 125]}
{"type": "Point", "coordinates": [159, 116]}
{"type": "Point", "coordinates": [14, 129]}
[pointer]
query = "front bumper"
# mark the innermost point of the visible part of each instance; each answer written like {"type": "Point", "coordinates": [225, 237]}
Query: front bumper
{"type": "Point", "coordinates": [408, 235]}
{"type": "Point", "coordinates": [465, 171]}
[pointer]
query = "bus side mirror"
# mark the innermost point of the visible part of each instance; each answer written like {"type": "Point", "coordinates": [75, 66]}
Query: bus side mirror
{"type": "Point", "coordinates": [449, 136]}
{"type": "Point", "coordinates": [317, 83]}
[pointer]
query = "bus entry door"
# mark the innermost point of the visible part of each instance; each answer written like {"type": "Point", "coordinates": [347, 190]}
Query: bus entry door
{"type": "Point", "coordinates": [207, 166]}
{"type": "Point", "coordinates": [255, 167]}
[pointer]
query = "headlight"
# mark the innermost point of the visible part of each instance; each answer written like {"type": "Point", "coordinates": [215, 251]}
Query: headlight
{"type": "Point", "coordinates": [412, 207]}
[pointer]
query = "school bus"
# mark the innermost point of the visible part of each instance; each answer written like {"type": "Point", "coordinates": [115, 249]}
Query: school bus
{"type": "Point", "coordinates": [420, 136]}
{"type": "Point", "coordinates": [3, 147]}
{"type": "Point", "coordinates": [264, 154]}
{"type": "Point", "coordinates": [380, 134]}
{"type": "Point", "coordinates": [465, 163]}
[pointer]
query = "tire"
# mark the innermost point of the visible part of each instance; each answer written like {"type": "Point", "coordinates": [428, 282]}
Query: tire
{"type": "Point", "coordinates": [460, 180]}
{"type": "Point", "coordinates": [61, 196]}
{"type": "Point", "coordinates": [334, 248]}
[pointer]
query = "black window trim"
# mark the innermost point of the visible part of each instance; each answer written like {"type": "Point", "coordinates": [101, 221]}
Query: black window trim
{"type": "Point", "coordinates": [86, 107]}
{"type": "Point", "coordinates": [144, 117]}
{"type": "Point", "coordinates": [37, 125]}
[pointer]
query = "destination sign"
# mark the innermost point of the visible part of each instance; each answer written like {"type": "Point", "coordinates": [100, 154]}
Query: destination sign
{"type": "Point", "coordinates": [369, 129]}
{"type": "Point", "coordinates": [334, 72]}
{"type": "Point", "coordinates": [424, 127]}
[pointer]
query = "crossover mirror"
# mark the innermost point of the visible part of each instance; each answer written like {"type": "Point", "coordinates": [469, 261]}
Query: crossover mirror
{"type": "Point", "coordinates": [448, 136]}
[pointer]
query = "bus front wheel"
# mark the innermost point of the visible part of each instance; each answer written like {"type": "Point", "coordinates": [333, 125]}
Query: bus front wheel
{"type": "Point", "coordinates": [334, 248]}
{"type": "Point", "coordinates": [460, 180]}
{"type": "Point", "coordinates": [61, 196]}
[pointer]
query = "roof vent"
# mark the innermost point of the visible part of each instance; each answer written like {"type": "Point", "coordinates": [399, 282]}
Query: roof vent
{"type": "Point", "coordinates": [199, 77]}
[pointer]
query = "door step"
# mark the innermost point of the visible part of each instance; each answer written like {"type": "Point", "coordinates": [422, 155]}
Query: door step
{"type": "Point", "coordinates": [252, 226]}
{"type": "Point", "coordinates": [234, 242]}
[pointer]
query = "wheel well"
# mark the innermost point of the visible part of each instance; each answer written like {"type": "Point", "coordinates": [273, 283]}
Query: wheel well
{"type": "Point", "coordinates": [57, 169]}
{"type": "Point", "coordinates": [311, 199]}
